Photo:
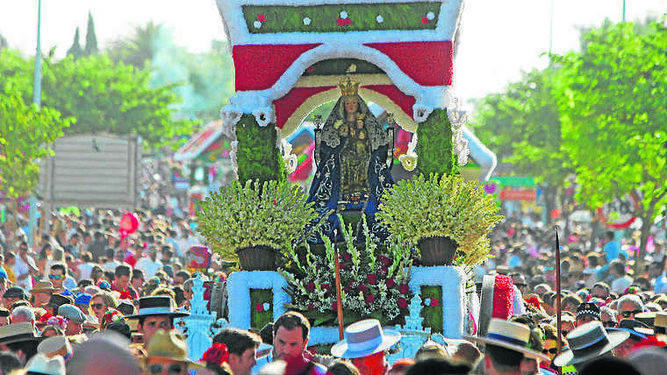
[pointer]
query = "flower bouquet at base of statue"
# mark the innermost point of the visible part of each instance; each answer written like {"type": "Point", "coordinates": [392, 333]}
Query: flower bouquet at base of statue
{"type": "Point", "coordinates": [374, 279]}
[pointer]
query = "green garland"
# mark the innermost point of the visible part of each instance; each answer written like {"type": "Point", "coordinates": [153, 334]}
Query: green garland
{"type": "Point", "coordinates": [435, 147]}
{"type": "Point", "coordinates": [323, 18]}
{"type": "Point", "coordinates": [257, 156]}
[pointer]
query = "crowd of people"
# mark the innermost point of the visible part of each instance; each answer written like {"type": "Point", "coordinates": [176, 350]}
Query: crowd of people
{"type": "Point", "coordinates": [90, 299]}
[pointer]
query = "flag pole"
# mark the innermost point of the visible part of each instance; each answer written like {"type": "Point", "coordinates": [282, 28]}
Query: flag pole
{"type": "Point", "coordinates": [339, 301]}
{"type": "Point", "coordinates": [558, 289]}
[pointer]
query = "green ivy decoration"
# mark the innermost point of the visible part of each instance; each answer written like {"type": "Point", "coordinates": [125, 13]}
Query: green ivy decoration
{"type": "Point", "coordinates": [257, 157]}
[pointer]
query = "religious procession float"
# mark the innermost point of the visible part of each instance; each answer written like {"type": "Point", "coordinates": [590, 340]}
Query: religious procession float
{"type": "Point", "coordinates": [359, 243]}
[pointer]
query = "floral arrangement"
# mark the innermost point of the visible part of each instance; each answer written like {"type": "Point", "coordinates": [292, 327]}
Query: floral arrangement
{"type": "Point", "coordinates": [446, 206]}
{"type": "Point", "coordinates": [251, 214]}
{"type": "Point", "coordinates": [374, 280]}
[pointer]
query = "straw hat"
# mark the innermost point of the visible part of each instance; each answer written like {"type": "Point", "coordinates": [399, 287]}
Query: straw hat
{"type": "Point", "coordinates": [589, 341]}
{"type": "Point", "coordinates": [364, 338]}
{"type": "Point", "coordinates": [41, 364]}
{"type": "Point", "coordinates": [509, 335]}
{"type": "Point", "coordinates": [17, 332]}
{"type": "Point", "coordinates": [43, 287]}
{"type": "Point", "coordinates": [660, 323]}
{"type": "Point", "coordinates": [170, 345]}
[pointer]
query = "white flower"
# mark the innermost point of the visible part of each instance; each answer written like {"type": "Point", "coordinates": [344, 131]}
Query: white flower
{"type": "Point", "coordinates": [379, 19]}
{"type": "Point", "coordinates": [306, 21]}
{"type": "Point", "coordinates": [430, 16]}
{"type": "Point", "coordinates": [343, 14]}
{"type": "Point", "coordinates": [257, 24]}
{"type": "Point", "coordinates": [427, 302]}
{"type": "Point", "coordinates": [266, 306]}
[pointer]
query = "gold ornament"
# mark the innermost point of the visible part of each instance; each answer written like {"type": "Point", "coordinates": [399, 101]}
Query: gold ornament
{"type": "Point", "coordinates": [348, 86]}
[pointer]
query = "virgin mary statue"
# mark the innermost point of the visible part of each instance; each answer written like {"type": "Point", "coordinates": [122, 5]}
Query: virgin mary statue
{"type": "Point", "coordinates": [352, 168]}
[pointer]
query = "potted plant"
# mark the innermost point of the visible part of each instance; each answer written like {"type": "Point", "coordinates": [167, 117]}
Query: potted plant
{"type": "Point", "coordinates": [253, 221]}
{"type": "Point", "coordinates": [442, 216]}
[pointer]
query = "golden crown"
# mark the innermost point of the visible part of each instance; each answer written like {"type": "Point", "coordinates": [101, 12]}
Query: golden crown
{"type": "Point", "coordinates": [348, 86]}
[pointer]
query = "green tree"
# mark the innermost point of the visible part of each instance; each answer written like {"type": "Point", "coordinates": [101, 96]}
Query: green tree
{"type": "Point", "coordinates": [75, 50]}
{"type": "Point", "coordinates": [25, 130]}
{"type": "Point", "coordinates": [613, 99]}
{"type": "Point", "coordinates": [91, 38]}
{"type": "Point", "coordinates": [110, 98]}
{"type": "Point", "coordinates": [3, 43]}
{"type": "Point", "coordinates": [139, 48]}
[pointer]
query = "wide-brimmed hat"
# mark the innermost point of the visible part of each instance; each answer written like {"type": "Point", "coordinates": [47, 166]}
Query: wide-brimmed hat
{"type": "Point", "coordinates": [508, 335]}
{"type": "Point", "coordinates": [364, 338]}
{"type": "Point", "coordinates": [17, 332]}
{"type": "Point", "coordinates": [635, 325]}
{"type": "Point", "coordinates": [56, 345]}
{"type": "Point", "coordinates": [41, 364]}
{"type": "Point", "coordinates": [58, 300]}
{"type": "Point", "coordinates": [16, 292]}
{"type": "Point", "coordinates": [43, 287]}
{"type": "Point", "coordinates": [157, 305]}
{"type": "Point", "coordinates": [589, 341]}
{"type": "Point", "coordinates": [170, 345]}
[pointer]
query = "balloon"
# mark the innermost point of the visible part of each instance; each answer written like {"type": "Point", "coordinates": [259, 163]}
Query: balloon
{"type": "Point", "coordinates": [128, 224]}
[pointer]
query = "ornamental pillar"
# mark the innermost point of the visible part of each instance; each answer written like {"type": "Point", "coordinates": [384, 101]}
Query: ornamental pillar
{"type": "Point", "coordinates": [256, 152]}
{"type": "Point", "coordinates": [435, 150]}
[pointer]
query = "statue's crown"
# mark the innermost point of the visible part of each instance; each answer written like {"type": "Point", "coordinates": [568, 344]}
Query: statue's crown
{"type": "Point", "coordinates": [348, 86]}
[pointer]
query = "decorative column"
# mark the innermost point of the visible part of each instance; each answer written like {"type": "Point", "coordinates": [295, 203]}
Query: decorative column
{"type": "Point", "coordinates": [257, 157]}
{"type": "Point", "coordinates": [435, 145]}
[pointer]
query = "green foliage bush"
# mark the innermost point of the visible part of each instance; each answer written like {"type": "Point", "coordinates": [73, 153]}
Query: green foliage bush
{"type": "Point", "coordinates": [241, 215]}
{"type": "Point", "coordinates": [448, 206]}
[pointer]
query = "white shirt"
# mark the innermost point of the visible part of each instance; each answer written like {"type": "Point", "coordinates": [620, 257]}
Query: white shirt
{"type": "Point", "coordinates": [619, 285]}
{"type": "Point", "coordinates": [21, 268]}
{"type": "Point", "coordinates": [85, 269]}
{"type": "Point", "coordinates": [148, 266]}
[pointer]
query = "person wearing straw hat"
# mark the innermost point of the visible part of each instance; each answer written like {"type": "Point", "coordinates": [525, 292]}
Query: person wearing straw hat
{"type": "Point", "coordinates": [506, 346]}
{"type": "Point", "coordinates": [41, 293]}
{"type": "Point", "coordinates": [168, 351]}
{"type": "Point", "coordinates": [155, 313]}
{"type": "Point", "coordinates": [20, 339]}
{"type": "Point", "coordinates": [589, 342]}
{"type": "Point", "coordinates": [55, 346]}
{"type": "Point", "coordinates": [364, 344]}
{"type": "Point", "coordinates": [40, 364]}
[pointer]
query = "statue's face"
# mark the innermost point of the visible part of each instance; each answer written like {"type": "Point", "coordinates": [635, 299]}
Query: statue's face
{"type": "Point", "coordinates": [351, 105]}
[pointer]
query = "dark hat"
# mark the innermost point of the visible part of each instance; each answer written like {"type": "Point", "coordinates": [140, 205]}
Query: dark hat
{"type": "Point", "coordinates": [17, 332]}
{"type": "Point", "coordinates": [15, 292]}
{"type": "Point", "coordinates": [126, 308]}
{"type": "Point", "coordinates": [636, 326]}
{"type": "Point", "coordinates": [588, 309]}
{"type": "Point", "coordinates": [4, 313]}
{"type": "Point", "coordinates": [157, 305]}
{"type": "Point", "coordinates": [587, 342]}
{"type": "Point", "coordinates": [120, 327]}
{"type": "Point", "coordinates": [58, 300]}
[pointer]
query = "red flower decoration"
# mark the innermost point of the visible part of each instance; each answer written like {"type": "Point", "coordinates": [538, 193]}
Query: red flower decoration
{"type": "Point", "coordinates": [125, 295]}
{"type": "Point", "coordinates": [385, 260]}
{"type": "Point", "coordinates": [259, 307]}
{"type": "Point", "coordinates": [216, 354]}
{"type": "Point", "coordinates": [310, 287]}
{"type": "Point", "coordinates": [370, 299]}
{"type": "Point", "coordinates": [372, 279]}
{"type": "Point", "coordinates": [347, 257]}
{"type": "Point", "coordinates": [435, 302]}
{"type": "Point", "coordinates": [275, 203]}
{"type": "Point", "coordinates": [339, 22]}
{"type": "Point", "coordinates": [326, 286]}
{"type": "Point", "coordinates": [424, 20]}
{"type": "Point", "coordinates": [404, 288]}
{"type": "Point", "coordinates": [334, 306]}
{"type": "Point", "coordinates": [390, 283]}
{"type": "Point", "coordinates": [311, 307]}
{"type": "Point", "coordinates": [347, 21]}
{"type": "Point", "coordinates": [261, 17]}
{"type": "Point", "coordinates": [402, 303]}
{"type": "Point", "coordinates": [363, 289]}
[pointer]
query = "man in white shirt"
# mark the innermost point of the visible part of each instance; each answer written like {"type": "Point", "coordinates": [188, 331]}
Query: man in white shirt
{"type": "Point", "coordinates": [24, 267]}
{"type": "Point", "coordinates": [621, 281]}
{"type": "Point", "coordinates": [150, 264]}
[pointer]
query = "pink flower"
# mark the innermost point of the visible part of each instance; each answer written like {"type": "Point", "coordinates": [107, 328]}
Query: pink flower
{"type": "Point", "coordinates": [347, 21]}
{"type": "Point", "coordinates": [383, 271]}
{"type": "Point", "coordinates": [310, 287]}
{"type": "Point", "coordinates": [372, 279]}
{"type": "Point", "coordinates": [339, 22]}
{"type": "Point", "coordinates": [390, 283]}
{"type": "Point", "coordinates": [334, 306]}
{"type": "Point", "coordinates": [261, 17]}
{"type": "Point", "coordinates": [363, 289]}
{"type": "Point", "coordinates": [275, 203]}
{"type": "Point", "coordinates": [370, 299]}
{"type": "Point", "coordinates": [424, 20]}
{"type": "Point", "coordinates": [326, 287]}
{"type": "Point", "coordinates": [404, 288]}
{"type": "Point", "coordinates": [259, 307]}
{"type": "Point", "coordinates": [347, 257]}
{"type": "Point", "coordinates": [402, 303]}
{"type": "Point", "coordinates": [311, 307]}
{"type": "Point", "coordinates": [434, 302]}
{"type": "Point", "coordinates": [385, 260]}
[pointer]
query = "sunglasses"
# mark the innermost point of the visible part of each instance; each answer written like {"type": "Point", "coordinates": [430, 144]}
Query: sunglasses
{"type": "Point", "coordinates": [97, 306]}
{"type": "Point", "coordinates": [627, 314]}
{"type": "Point", "coordinates": [56, 277]}
{"type": "Point", "coordinates": [550, 351]}
{"type": "Point", "coordinates": [172, 369]}
{"type": "Point", "coordinates": [518, 285]}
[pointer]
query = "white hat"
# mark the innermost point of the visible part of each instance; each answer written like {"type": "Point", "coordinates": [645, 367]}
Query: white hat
{"type": "Point", "coordinates": [509, 335]}
{"type": "Point", "coordinates": [589, 341]}
{"type": "Point", "coordinates": [364, 338]}
{"type": "Point", "coordinates": [41, 364]}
